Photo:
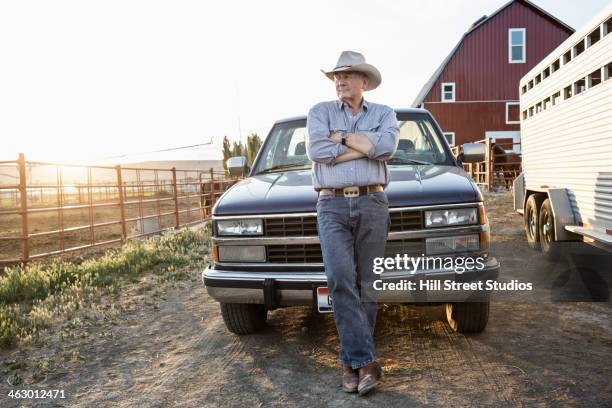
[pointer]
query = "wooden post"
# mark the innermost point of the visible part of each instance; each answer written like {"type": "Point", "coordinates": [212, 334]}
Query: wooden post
{"type": "Point", "coordinates": [175, 195]}
{"type": "Point", "coordinates": [121, 203]}
{"type": "Point", "coordinates": [23, 195]}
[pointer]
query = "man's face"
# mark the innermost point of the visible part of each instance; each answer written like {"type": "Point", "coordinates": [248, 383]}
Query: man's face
{"type": "Point", "coordinates": [350, 85]}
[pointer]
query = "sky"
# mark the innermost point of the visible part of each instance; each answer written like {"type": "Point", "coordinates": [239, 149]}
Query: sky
{"type": "Point", "coordinates": [84, 81]}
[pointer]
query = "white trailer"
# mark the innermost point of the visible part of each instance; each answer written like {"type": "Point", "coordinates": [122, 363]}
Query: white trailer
{"type": "Point", "coordinates": [565, 190]}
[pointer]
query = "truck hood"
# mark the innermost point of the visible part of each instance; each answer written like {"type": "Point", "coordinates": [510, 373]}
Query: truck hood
{"type": "Point", "coordinates": [292, 191]}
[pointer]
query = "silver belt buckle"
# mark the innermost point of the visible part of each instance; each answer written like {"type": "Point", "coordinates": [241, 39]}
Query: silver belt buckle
{"type": "Point", "coordinates": [350, 191]}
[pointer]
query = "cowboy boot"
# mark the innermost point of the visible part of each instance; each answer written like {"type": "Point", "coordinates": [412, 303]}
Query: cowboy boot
{"type": "Point", "coordinates": [369, 376]}
{"type": "Point", "coordinates": [350, 379]}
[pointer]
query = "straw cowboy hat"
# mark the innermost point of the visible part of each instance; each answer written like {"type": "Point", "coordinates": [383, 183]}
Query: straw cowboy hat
{"type": "Point", "coordinates": [354, 61]}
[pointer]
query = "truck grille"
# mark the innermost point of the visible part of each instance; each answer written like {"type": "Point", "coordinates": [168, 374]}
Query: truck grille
{"type": "Point", "coordinates": [413, 247]}
{"type": "Point", "coordinates": [406, 220]}
{"type": "Point", "coordinates": [291, 226]}
{"type": "Point", "coordinates": [307, 226]}
{"type": "Point", "coordinates": [300, 253]}
{"type": "Point", "coordinates": [311, 253]}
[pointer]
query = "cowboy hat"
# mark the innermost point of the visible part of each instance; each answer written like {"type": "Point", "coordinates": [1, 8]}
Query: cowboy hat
{"type": "Point", "coordinates": [354, 61]}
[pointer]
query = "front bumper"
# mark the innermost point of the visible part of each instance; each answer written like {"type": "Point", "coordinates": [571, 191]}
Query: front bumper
{"type": "Point", "coordinates": [277, 289]}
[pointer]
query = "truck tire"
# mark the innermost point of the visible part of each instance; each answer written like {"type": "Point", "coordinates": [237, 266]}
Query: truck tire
{"type": "Point", "coordinates": [548, 244]}
{"type": "Point", "coordinates": [467, 317]}
{"type": "Point", "coordinates": [244, 318]}
{"type": "Point", "coordinates": [531, 219]}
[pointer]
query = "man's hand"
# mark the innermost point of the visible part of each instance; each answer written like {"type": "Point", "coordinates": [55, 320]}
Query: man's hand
{"type": "Point", "coordinates": [336, 137]}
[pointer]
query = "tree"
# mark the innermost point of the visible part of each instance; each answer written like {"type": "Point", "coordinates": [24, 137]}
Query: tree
{"type": "Point", "coordinates": [227, 151]}
{"type": "Point", "coordinates": [238, 149]}
{"type": "Point", "coordinates": [249, 150]}
{"type": "Point", "coordinates": [253, 145]}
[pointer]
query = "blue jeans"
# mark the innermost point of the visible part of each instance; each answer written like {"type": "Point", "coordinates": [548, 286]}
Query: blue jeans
{"type": "Point", "coordinates": [353, 231]}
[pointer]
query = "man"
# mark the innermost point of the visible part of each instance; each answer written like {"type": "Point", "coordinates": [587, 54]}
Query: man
{"type": "Point", "coordinates": [349, 142]}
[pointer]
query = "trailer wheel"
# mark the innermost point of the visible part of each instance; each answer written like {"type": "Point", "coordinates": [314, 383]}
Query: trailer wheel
{"type": "Point", "coordinates": [243, 318]}
{"type": "Point", "coordinates": [531, 218]}
{"type": "Point", "coordinates": [550, 247]}
{"type": "Point", "coordinates": [467, 317]}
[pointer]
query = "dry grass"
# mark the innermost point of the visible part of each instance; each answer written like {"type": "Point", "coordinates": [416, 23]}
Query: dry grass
{"type": "Point", "coordinates": [32, 298]}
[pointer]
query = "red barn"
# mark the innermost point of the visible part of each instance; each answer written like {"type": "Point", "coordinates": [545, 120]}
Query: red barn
{"type": "Point", "coordinates": [474, 93]}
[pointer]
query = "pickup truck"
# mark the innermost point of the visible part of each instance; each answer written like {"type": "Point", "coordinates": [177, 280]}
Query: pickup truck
{"type": "Point", "coordinates": [265, 246]}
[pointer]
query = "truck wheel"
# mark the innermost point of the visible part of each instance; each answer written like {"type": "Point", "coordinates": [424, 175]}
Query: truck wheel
{"type": "Point", "coordinates": [531, 217]}
{"type": "Point", "coordinates": [467, 317]}
{"type": "Point", "coordinates": [550, 248]}
{"type": "Point", "coordinates": [244, 318]}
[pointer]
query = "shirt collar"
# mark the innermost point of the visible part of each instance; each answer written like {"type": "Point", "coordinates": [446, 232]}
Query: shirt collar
{"type": "Point", "coordinates": [364, 104]}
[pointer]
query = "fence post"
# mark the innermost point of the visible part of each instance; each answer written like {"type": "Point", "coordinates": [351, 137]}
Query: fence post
{"type": "Point", "coordinates": [213, 197]}
{"type": "Point", "coordinates": [202, 198]}
{"type": "Point", "coordinates": [121, 202]}
{"type": "Point", "coordinates": [23, 193]}
{"type": "Point", "coordinates": [175, 196]}
{"type": "Point", "coordinates": [489, 166]}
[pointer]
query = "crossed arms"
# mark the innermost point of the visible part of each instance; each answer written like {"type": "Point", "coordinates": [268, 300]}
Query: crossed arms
{"type": "Point", "coordinates": [326, 147]}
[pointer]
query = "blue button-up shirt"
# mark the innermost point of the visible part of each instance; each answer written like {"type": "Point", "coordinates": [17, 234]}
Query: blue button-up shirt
{"type": "Point", "coordinates": [377, 122]}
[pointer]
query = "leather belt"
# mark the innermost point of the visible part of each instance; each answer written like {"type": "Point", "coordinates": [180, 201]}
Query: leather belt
{"type": "Point", "coordinates": [352, 191]}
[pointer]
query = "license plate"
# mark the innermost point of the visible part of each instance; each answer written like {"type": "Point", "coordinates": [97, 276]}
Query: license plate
{"type": "Point", "coordinates": [324, 301]}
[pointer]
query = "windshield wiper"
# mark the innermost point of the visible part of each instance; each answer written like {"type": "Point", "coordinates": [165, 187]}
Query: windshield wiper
{"type": "Point", "coordinates": [402, 160]}
{"type": "Point", "coordinates": [284, 166]}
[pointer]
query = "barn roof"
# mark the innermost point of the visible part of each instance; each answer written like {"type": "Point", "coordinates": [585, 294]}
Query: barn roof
{"type": "Point", "coordinates": [477, 24]}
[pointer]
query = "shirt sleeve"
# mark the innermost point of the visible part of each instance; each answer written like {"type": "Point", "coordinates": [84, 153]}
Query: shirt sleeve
{"type": "Point", "coordinates": [321, 148]}
{"type": "Point", "coordinates": [384, 140]}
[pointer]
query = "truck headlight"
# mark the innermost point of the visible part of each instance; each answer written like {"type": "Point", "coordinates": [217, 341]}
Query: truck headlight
{"type": "Point", "coordinates": [242, 253]}
{"type": "Point", "coordinates": [240, 227]}
{"type": "Point", "coordinates": [460, 243]}
{"type": "Point", "coordinates": [449, 217]}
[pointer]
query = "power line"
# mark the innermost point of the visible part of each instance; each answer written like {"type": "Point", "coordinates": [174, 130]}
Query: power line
{"type": "Point", "coordinates": [160, 151]}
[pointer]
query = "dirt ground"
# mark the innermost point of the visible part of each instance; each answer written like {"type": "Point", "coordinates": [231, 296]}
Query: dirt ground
{"type": "Point", "coordinates": [158, 345]}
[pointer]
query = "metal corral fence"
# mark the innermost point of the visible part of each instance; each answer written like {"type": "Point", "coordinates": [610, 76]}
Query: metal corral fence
{"type": "Point", "coordinates": [501, 166]}
{"type": "Point", "coordinates": [50, 209]}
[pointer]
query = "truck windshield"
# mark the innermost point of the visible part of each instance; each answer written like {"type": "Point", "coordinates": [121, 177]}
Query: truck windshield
{"type": "Point", "coordinates": [420, 144]}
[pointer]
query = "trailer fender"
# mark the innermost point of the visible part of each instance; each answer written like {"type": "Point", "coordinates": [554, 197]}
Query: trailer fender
{"type": "Point", "coordinates": [518, 193]}
{"type": "Point", "coordinates": [562, 213]}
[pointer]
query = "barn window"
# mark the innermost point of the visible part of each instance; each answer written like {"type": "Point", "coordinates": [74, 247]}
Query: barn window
{"type": "Point", "coordinates": [516, 45]}
{"type": "Point", "coordinates": [594, 78]}
{"type": "Point", "coordinates": [555, 98]}
{"type": "Point", "coordinates": [448, 92]}
{"type": "Point", "coordinates": [512, 113]}
{"type": "Point", "coordinates": [567, 92]}
{"type": "Point", "coordinates": [593, 37]}
{"type": "Point", "coordinates": [450, 138]}
{"type": "Point", "coordinates": [555, 66]}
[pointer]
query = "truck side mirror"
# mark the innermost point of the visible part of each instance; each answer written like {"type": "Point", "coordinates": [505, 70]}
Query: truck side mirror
{"type": "Point", "coordinates": [472, 152]}
{"type": "Point", "coordinates": [237, 166]}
